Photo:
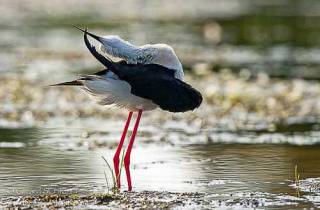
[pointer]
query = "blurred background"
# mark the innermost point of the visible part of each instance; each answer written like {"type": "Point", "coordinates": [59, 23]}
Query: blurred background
{"type": "Point", "coordinates": [245, 42]}
{"type": "Point", "coordinates": [256, 62]}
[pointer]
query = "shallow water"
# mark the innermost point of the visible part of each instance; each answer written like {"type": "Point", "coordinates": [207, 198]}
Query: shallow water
{"type": "Point", "coordinates": [49, 161]}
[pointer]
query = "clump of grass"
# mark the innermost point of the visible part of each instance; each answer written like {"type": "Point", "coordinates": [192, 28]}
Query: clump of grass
{"type": "Point", "coordinates": [115, 188]}
{"type": "Point", "coordinates": [297, 179]}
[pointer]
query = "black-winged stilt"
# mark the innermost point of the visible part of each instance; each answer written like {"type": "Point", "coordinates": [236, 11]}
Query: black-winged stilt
{"type": "Point", "coordinates": [147, 77]}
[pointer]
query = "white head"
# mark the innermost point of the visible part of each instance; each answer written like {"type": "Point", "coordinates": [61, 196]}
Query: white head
{"type": "Point", "coordinates": [163, 55]}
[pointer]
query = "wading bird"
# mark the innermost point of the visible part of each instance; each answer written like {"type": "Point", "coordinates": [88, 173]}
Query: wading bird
{"type": "Point", "coordinates": [147, 77]}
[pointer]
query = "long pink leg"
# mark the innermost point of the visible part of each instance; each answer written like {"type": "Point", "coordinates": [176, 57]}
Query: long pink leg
{"type": "Point", "coordinates": [117, 154]}
{"type": "Point", "coordinates": [128, 153]}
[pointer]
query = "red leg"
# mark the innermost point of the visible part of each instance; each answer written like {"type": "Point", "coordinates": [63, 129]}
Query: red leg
{"type": "Point", "coordinates": [117, 154]}
{"type": "Point", "coordinates": [128, 153]}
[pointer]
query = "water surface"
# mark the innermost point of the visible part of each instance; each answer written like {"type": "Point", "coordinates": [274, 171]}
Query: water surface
{"type": "Point", "coordinates": [38, 161]}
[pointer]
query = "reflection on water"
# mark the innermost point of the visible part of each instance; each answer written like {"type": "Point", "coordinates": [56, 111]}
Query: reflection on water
{"type": "Point", "coordinates": [46, 165]}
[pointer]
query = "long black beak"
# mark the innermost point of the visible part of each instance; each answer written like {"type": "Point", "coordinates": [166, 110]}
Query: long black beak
{"type": "Point", "coordinates": [98, 38]}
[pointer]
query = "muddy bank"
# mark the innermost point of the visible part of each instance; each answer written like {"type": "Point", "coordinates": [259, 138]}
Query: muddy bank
{"type": "Point", "coordinates": [125, 200]}
{"type": "Point", "coordinates": [160, 200]}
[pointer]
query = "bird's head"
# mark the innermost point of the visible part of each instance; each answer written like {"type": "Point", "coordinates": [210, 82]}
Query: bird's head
{"type": "Point", "coordinates": [164, 55]}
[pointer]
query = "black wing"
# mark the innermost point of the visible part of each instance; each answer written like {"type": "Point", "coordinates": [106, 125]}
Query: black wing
{"type": "Point", "coordinates": [169, 93]}
{"type": "Point", "coordinates": [153, 82]}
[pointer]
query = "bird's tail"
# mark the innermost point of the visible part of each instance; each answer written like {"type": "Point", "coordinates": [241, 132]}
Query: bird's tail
{"type": "Point", "coordinates": [71, 83]}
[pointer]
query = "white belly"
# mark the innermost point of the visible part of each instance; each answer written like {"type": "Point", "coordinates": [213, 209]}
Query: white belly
{"type": "Point", "coordinates": [115, 92]}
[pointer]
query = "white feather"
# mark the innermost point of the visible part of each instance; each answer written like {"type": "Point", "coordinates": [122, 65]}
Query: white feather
{"type": "Point", "coordinates": [112, 91]}
{"type": "Point", "coordinates": [161, 54]}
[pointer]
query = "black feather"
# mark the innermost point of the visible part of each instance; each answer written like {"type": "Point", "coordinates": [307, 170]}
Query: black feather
{"type": "Point", "coordinates": [105, 61]}
{"type": "Point", "coordinates": [169, 93]}
{"type": "Point", "coordinates": [151, 81]}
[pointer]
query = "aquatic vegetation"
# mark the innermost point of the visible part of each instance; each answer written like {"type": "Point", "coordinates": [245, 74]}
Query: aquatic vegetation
{"type": "Point", "coordinates": [115, 188]}
{"type": "Point", "coordinates": [244, 102]}
{"type": "Point", "coordinates": [297, 179]}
